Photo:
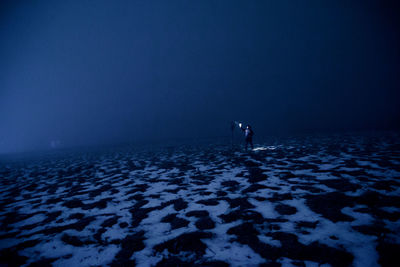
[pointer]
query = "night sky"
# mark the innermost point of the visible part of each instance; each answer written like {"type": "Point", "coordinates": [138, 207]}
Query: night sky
{"type": "Point", "coordinates": [98, 72]}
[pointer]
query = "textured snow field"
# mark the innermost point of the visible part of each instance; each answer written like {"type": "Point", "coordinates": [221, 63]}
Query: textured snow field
{"type": "Point", "coordinates": [317, 201]}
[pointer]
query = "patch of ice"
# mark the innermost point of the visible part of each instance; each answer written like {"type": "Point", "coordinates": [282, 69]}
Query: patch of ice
{"type": "Point", "coordinates": [31, 220]}
{"type": "Point", "coordinates": [325, 167]}
{"type": "Point", "coordinates": [234, 253]}
{"type": "Point", "coordinates": [269, 240]}
{"type": "Point", "coordinates": [265, 208]}
{"type": "Point", "coordinates": [360, 218]}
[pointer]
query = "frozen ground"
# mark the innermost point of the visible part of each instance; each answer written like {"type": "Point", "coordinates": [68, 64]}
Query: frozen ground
{"type": "Point", "coordinates": [314, 201]}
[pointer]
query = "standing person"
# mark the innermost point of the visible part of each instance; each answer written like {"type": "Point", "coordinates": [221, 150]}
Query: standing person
{"type": "Point", "coordinates": [248, 133]}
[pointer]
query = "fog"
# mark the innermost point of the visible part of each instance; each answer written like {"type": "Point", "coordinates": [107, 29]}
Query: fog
{"type": "Point", "coordinates": [100, 72]}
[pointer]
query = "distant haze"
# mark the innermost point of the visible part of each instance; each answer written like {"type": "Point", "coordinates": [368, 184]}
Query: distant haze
{"type": "Point", "coordinates": [95, 72]}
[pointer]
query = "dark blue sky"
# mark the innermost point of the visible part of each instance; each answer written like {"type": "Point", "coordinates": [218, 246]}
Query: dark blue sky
{"type": "Point", "coordinates": [88, 72]}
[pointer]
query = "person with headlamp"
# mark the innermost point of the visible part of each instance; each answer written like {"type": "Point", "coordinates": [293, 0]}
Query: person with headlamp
{"type": "Point", "coordinates": [248, 133]}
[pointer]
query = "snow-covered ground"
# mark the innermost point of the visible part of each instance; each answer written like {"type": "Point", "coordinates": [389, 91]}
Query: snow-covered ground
{"type": "Point", "coordinates": [332, 200]}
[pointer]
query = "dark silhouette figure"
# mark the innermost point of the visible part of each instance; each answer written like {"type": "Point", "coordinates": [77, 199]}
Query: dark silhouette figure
{"type": "Point", "coordinates": [248, 133]}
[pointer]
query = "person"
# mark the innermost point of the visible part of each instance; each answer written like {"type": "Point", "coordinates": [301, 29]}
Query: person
{"type": "Point", "coordinates": [248, 133]}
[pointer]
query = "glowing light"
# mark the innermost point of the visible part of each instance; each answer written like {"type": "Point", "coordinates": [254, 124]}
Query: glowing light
{"type": "Point", "coordinates": [262, 148]}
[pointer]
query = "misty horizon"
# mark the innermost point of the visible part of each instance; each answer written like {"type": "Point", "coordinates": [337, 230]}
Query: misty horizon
{"type": "Point", "coordinates": [82, 73]}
